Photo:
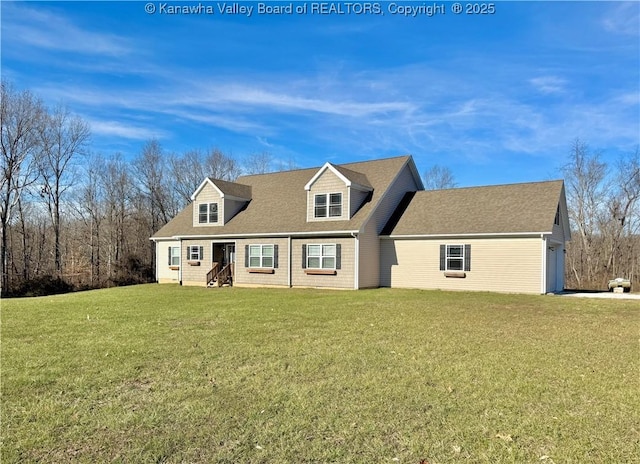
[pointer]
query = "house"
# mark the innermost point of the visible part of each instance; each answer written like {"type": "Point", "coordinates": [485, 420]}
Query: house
{"type": "Point", "coordinates": [363, 225]}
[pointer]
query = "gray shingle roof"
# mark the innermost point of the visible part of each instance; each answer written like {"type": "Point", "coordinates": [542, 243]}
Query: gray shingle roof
{"type": "Point", "coordinates": [279, 203]}
{"type": "Point", "coordinates": [355, 177]}
{"type": "Point", "coordinates": [232, 188]}
{"type": "Point", "coordinates": [497, 209]}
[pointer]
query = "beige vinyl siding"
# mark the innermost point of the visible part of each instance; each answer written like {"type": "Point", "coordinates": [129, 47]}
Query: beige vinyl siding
{"type": "Point", "coordinates": [404, 182]}
{"type": "Point", "coordinates": [231, 208]}
{"type": "Point", "coordinates": [280, 275]}
{"type": "Point", "coordinates": [369, 243]}
{"type": "Point", "coordinates": [164, 273]}
{"type": "Point", "coordinates": [369, 249]}
{"type": "Point", "coordinates": [356, 200]}
{"type": "Point", "coordinates": [344, 277]}
{"type": "Point", "coordinates": [195, 275]}
{"type": "Point", "coordinates": [327, 183]}
{"type": "Point", "coordinates": [208, 194]}
{"type": "Point", "coordinates": [497, 264]}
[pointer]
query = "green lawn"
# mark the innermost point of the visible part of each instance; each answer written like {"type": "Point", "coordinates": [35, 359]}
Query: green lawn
{"type": "Point", "coordinates": [161, 373]}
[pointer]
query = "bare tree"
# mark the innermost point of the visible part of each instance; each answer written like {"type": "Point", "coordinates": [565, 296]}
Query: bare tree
{"type": "Point", "coordinates": [258, 163]}
{"type": "Point", "coordinates": [21, 116]}
{"type": "Point", "coordinates": [587, 194]}
{"type": "Point", "coordinates": [438, 177]}
{"type": "Point", "coordinates": [91, 212]}
{"type": "Point", "coordinates": [62, 137]}
{"type": "Point", "coordinates": [221, 166]}
{"type": "Point", "coordinates": [150, 169]}
{"type": "Point", "coordinates": [188, 172]}
{"type": "Point", "coordinates": [117, 185]}
{"type": "Point", "coordinates": [192, 167]}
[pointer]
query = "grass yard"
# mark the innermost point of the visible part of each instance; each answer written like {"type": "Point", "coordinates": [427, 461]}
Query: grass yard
{"type": "Point", "coordinates": [161, 373]}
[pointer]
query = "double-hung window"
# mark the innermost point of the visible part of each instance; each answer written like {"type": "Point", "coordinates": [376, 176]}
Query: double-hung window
{"type": "Point", "coordinates": [208, 213]}
{"type": "Point", "coordinates": [455, 257]}
{"type": "Point", "coordinates": [321, 256]}
{"type": "Point", "coordinates": [327, 205]}
{"type": "Point", "coordinates": [261, 256]}
{"type": "Point", "coordinates": [174, 256]}
{"type": "Point", "coordinates": [195, 253]}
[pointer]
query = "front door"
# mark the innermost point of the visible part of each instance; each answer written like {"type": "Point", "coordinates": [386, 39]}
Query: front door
{"type": "Point", "coordinates": [223, 253]}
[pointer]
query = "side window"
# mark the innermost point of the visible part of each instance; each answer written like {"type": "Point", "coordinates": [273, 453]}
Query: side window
{"type": "Point", "coordinates": [174, 256]}
{"type": "Point", "coordinates": [455, 257]}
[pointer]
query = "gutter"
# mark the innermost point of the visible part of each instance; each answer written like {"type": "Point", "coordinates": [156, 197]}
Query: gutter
{"type": "Point", "coordinates": [482, 235]}
{"type": "Point", "coordinates": [262, 234]}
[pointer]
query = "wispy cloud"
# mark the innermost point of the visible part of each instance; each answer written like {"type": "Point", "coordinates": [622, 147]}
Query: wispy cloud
{"type": "Point", "coordinates": [624, 19]}
{"type": "Point", "coordinates": [107, 128]}
{"type": "Point", "coordinates": [44, 29]}
{"type": "Point", "coordinates": [548, 84]}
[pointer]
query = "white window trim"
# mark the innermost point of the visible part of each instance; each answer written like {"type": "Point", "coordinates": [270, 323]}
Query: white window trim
{"type": "Point", "coordinates": [323, 256]}
{"type": "Point", "coordinates": [262, 256]}
{"type": "Point", "coordinates": [208, 205]}
{"type": "Point", "coordinates": [193, 253]}
{"type": "Point", "coordinates": [174, 256]}
{"type": "Point", "coordinates": [328, 204]}
{"type": "Point", "coordinates": [447, 258]}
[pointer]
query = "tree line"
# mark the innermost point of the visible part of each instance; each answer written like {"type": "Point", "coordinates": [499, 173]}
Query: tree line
{"type": "Point", "coordinates": [71, 218]}
{"type": "Point", "coordinates": [74, 219]}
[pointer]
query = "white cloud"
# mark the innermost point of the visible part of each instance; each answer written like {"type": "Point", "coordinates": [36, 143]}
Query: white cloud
{"type": "Point", "coordinates": [548, 84]}
{"type": "Point", "coordinates": [624, 19]}
{"type": "Point", "coordinates": [43, 29]}
{"type": "Point", "coordinates": [121, 130]}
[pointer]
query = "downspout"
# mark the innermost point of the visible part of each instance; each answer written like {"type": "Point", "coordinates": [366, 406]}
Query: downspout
{"type": "Point", "coordinates": [157, 261]}
{"type": "Point", "coordinates": [356, 264]}
{"type": "Point", "coordinates": [181, 264]}
{"type": "Point", "coordinates": [544, 265]}
{"type": "Point", "coordinates": [289, 264]}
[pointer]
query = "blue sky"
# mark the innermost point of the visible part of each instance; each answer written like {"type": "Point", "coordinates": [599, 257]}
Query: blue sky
{"type": "Point", "coordinates": [497, 98]}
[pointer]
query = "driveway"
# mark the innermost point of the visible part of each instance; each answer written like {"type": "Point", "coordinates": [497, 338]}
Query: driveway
{"type": "Point", "coordinates": [609, 295]}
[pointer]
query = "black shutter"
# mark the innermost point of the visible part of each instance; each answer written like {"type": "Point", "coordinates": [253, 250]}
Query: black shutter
{"type": "Point", "coordinates": [275, 256]}
{"type": "Point", "coordinates": [246, 256]}
{"type": "Point", "coordinates": [338, 256]}
{"type": "Point", "coordinates": [467, 257]}
{"type": "Point", "coordinates": [443, 257]}
{"type": "Point", "coordinates": [304, 256]}
{"type": "Point", "coordinates": [188, 253]}
{"type": "Point", "coordinates": [169, 255]}
{"type": "Point", "coordinates": [201, 254]}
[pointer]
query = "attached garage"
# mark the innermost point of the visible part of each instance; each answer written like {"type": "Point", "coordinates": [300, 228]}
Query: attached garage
{"type": "Point", "coordinates": [506, 238]}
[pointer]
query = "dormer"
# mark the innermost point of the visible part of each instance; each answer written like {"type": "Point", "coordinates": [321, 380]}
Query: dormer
{"type": "Point", "coordinates": [335, 193]}
{"type": "Point", "coordinates": [216, 201]}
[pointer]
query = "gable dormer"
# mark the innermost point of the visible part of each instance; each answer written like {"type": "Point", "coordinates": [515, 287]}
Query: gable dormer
{"type": "Point", "coordinates": [335, 193]}
{"type": "Point", "coordinates": [216, 201]}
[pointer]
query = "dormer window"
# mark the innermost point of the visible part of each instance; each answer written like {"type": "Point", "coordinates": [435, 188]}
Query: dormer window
{"type": "Point", "coordinates": [327, 205]}
{"type": "Point", "coordinates": [208, 213]}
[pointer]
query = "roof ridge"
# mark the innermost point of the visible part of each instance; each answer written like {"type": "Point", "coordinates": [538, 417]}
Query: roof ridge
{"type": "Point", "coordinates": [315, 168]}
{"type": "Point", "coordinates": [511, 184]}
